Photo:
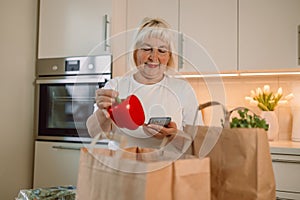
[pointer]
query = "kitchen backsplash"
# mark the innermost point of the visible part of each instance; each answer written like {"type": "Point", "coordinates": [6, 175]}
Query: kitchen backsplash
{"type": "Point", "coordinates": [231, 91]}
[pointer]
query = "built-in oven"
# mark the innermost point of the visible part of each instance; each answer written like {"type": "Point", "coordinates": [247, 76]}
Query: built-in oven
{"type": "Point", "coordinates": [65, 91]}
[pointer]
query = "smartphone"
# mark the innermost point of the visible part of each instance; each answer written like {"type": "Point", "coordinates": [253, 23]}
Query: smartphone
{"type": "Point", "coordinates": [162, 121]}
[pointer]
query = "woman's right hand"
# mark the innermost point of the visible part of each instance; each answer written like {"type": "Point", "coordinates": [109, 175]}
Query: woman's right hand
{"type": "Point", "coordinates": [105, 98]}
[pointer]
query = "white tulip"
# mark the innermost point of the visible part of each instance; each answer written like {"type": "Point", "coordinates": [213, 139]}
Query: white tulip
{"type": "Point", "coordinates": [258, 91]}
{"type": "Point", "coordinates": [248, 98]}
{"type": "Point", "coordinates": [254, 102]}
{"type": "Point", "coordinates": [267, 89]}
{"type": "Point", "coordinates": [279, 91]}
{"type": "Point", "coordinates": [289, 96]}
{"type": "Point", "coordinates": [281, 102]}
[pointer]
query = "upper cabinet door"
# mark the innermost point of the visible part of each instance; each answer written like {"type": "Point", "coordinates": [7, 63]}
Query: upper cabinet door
{"type": "Point", "coordinates": [268, 34]}
{"type": "Point", "coordinates": [73, 27]}
{"type": "Point", "coordinates": [209, 31]}
{"type": "Point", "coordinates": [137, 10]}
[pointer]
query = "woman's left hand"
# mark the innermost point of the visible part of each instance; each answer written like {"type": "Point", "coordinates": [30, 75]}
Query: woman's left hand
{"type": "Point", "coordinates": [160, 132]}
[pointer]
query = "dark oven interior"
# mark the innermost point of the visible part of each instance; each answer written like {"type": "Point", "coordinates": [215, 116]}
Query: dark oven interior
{"type": "Point", "coordinates": [64, 108]}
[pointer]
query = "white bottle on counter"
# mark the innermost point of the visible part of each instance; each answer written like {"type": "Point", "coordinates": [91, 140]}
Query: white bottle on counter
{"type": "Point", "coordinates": [296, 124]}
{"type": "Point", "coordinates": [296, 112]}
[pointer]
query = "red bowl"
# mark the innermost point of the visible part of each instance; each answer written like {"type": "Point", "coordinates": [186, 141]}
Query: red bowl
{"type": "Point", "coordinates": [128, 114]}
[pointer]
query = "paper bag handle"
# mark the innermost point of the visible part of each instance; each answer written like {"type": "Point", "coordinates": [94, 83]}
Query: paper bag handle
{"type": "Point", "coordinates": [227, 114]}
{"type": "Point", "coordinates": [212, 103]}
{"type": "Point", "coordinates": [216, 103]}
{"type": "Point", "coordinates": [97, 137]}
{"type": "Point", "coordinates": [212, 137]}
{"type": "Point", "coordinates": [240, 108]}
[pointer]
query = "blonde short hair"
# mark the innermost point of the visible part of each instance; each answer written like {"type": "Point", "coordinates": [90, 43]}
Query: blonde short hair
{"type": "Point", "coordinates": [157, 28]}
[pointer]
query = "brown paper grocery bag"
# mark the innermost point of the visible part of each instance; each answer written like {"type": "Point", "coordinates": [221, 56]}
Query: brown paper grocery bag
{"type": "Point", "coordinates": [241, 165]}
{"type": "Point", "coordinates": [105, 175]}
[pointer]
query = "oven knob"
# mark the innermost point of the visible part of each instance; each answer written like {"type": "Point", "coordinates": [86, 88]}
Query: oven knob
{"type": "Point", "coordinates": [54, 68]}
{"type": "Point", "coordinates": [90, 66]}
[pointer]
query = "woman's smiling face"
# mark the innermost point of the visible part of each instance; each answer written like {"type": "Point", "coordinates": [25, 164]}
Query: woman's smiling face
{"type": "Point", "coordinates": [152, 58]}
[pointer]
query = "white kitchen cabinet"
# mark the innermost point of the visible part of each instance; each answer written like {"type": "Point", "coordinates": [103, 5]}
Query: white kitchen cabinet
{"type": "Point", "coordinates": [210, 28]}
{"type": "Point", "coordinates": [268, 34]}
{"type": "Point", "coordinates": [73, 27]}
{"type": "Point", "coordinates": [137, 10]}
{"type": "Point", "coordinates": [56, 163]}
{"type": "Point", "coordinates": [205, 31]}
{"type": "Point", "coordinates": [286, 165]}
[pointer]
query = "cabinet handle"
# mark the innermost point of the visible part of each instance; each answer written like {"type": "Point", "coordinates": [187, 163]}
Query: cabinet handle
{"type": "Point", "coordinates": [299, 45]}
{"type": "Point", "coordinates": [180, 51]}
{"type": "Point", "coordinates": [106, 32]}
{"type": "Point", "coordinates": [286, 161]}
{"type": "Point", "coordinates": [66, 148]}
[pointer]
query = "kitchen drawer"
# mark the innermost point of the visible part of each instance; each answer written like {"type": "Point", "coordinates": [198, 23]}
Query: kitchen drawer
{"type": "Point", "coordinates": [56, 163]}
{"type": "Point", "coordinates": [287, 175]}
{"type": "Point", "coordinates": [287, 195]}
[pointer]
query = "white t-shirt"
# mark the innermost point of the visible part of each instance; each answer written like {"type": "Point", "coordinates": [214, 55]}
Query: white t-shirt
{"type": "Point", "coordinates": [171, 97]}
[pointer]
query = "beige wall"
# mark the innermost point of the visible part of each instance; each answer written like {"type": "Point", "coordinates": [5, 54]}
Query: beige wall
{"type": "Point", "coordinates": [17, 53]}
{"type": "Point", "coordinates": [231, 91]}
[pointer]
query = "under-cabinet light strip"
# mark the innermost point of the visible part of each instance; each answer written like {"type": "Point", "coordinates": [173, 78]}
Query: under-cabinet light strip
{"type": "Point", "coordinates": [267, 73]}
{"type": "Point", "coordinates": [204, 75]}
{"type": "Point", "coordinates": [236, 74]}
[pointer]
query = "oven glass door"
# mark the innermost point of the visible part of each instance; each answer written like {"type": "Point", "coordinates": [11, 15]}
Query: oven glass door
{"type": "Point", "coordinates": [65, 107]}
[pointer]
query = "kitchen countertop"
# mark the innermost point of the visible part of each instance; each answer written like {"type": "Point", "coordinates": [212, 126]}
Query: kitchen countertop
{"type": "Point", "coordinates": [285, 147]}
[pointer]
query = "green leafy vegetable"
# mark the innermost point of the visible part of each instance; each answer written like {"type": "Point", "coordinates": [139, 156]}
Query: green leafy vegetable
{"type": "Point", "coordinates": [246, 120]}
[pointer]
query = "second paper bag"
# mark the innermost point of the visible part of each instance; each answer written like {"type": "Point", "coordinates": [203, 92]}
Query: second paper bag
{"type": "Point", "coordinates": [105, 175]}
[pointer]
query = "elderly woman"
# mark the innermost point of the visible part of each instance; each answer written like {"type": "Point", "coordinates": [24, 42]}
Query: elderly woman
{"type": "Point", "coordinates": [160, 94]}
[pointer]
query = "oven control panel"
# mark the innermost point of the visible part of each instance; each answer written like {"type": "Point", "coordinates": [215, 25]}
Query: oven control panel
{"type": "Point", "coordinates": [101, 64]}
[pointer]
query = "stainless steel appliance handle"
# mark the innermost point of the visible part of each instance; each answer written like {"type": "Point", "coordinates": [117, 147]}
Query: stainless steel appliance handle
{"type": "Point", "coordinates": [66, 148]}
{"type": "Point", "coordinates": [285, 160]}
{"type": "Point", "coordinates": [106, 32]}
{"type": "Point", "coordinates": [299, 45]}
{"type": "Point", "coordinates": [70, 80]}
{"type": "Point", "coordinates": [180, 51]}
